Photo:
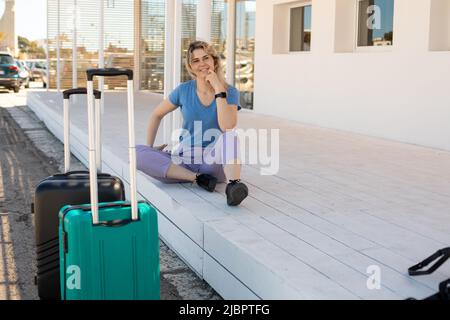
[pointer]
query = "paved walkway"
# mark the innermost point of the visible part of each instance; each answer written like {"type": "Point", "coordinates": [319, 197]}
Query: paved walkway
{"type": "Point", "coordinates": [21, 168]}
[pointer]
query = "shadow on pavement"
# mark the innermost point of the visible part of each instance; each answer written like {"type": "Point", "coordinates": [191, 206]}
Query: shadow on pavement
{"type": "Point", "coordinates": [22, 166]}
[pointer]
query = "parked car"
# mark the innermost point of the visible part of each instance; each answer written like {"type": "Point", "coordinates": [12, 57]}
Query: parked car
{"type": "Point", "coordinates": [38, 70]}
{"type": "Point", "coordinates": [24, 74]}
{"type": "Point", "coordinates": [9, 72]}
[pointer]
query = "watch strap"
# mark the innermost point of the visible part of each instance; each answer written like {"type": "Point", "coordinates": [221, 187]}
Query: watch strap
{"type": "Point", "coordinates": [221, 95]}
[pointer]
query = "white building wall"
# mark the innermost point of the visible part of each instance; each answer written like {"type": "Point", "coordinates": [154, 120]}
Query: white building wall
{"type": "Point", "coordinates": [401, 93]}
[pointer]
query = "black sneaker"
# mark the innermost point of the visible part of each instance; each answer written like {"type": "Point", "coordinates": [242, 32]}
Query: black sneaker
{"type": "Point", "coordinates": [206, 182]}
{"type": "Point", "coordinates": [236, 191]}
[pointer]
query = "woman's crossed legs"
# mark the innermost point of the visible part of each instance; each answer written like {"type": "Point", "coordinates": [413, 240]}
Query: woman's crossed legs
{"type": "Point", "coordinates": [220, 161]}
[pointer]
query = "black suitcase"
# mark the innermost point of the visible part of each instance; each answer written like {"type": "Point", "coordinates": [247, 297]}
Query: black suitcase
{"type": "Point", "coordinates": [59, 190]}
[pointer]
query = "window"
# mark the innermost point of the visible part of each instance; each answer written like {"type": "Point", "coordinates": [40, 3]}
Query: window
{"type": "Point", "coordinates": [6, 59]}
{"type": "Point", "coordinates": [52, 27]}
{"type": "Point", "coordinates": [188, 32]}
{"type": "Point", "coordinates": [300, 29]}
{"type": "Point", "coordinates": [375, 23]}
{"type": "Point", "coordinates": [119, 39]}
{"type": "Point", "coordinates": [66, 42]}
{"type": "Point", "coordinates": [245, 51]}
{"type": "Point", "coordinates": [152, 45]}
{"type": "Point", "coordinates": [40, 65]}
{"type": "Point", "coordinates": [87, 38]}
{"type": "Point", "coordinates": [219, 26]}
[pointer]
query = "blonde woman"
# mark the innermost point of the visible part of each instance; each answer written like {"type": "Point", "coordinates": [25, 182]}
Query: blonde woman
{"type": "Point", "coordinates": [208, 151]}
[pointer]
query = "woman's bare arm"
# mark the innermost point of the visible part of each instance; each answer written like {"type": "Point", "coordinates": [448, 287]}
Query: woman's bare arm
{"type": "Point", "coordinates": [157, 115]}
{"type": "Point", "coordinates": [226, 114]}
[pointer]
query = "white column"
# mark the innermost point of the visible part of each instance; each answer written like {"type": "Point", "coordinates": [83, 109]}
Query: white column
{"type": "Point", "coordinates": [177, 43]}
{"type": "Point", "coordinates": [48, 53]}
{"type": "Point", "coordinates": [101, 50]}
{"type": "Point", "coordinates": [169, 47]}
{"type": "Point", "coordinates": [137, 45]}
{"type": "Point", "coordinates": [58, 64]}
{"type": "Point", "coordinates": [176, 120]}
{"type": "Point", "coordinates": [204, 20]}
{"type": "Point", "coordinates": [231, 41]}
{"type": "Point", "coordinates": [168, 64]}
{"type": "Point", "coordinates": [74, 46]}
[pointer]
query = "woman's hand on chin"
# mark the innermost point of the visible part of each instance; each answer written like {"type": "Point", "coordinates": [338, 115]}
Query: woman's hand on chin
{"type": "Point", "coordinates": [213, 80]}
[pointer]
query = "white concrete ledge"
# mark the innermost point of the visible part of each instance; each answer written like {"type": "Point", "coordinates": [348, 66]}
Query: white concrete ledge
{"type": "Point", "coordinates": [309, 232]}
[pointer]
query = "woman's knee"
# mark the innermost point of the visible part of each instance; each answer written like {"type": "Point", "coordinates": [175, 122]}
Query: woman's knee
{"type": "Point", "coordinates": [151, 161]}
{"type": "Point", "coordinates": [142, 155]}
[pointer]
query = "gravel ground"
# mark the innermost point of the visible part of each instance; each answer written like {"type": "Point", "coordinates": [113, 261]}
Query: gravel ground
{"type": "Point", "coordinates": [28, 154]}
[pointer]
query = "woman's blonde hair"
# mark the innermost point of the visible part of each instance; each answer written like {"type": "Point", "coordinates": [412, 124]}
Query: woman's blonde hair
{"type": "Point", "coordinates": [209, 49]}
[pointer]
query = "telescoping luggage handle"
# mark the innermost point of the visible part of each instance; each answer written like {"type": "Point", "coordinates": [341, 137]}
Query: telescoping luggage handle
{"type": "Point", "coordinates": [111, 72]}
{"type": "Point", "coordinates": [66, 96]}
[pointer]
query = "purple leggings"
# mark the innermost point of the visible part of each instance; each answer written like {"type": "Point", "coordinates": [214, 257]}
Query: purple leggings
{"type": "Point", "coordinates": [210, 160]}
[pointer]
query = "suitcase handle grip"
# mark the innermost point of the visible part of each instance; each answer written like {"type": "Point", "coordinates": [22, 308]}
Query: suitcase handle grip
{"type": "Point", "coordinates": [112, 223]}
{"type": "Point", "coordinates": [109, 72]}
{"type": "Point", "coordinates": [80, 172]}
{"type": "Point", "coordinates": [67, 93]}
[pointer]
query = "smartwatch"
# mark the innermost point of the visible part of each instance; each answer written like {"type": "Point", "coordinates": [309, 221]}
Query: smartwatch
{"type": "Point", "coordinates": [221, 95]}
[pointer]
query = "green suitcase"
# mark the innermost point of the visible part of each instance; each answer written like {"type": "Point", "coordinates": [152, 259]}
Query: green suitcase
{"type": "Point", "coordinates": [115, 259]}
{"type": "Point", "coordinates": [109, 251]}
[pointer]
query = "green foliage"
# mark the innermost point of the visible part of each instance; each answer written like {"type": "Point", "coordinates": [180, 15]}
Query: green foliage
{"type": "Point", "coordinates": [389, 36]}
{"type": "Point", "coordinates": [31, 48]}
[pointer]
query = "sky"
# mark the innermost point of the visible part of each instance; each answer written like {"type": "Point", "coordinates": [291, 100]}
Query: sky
{"type": "Point", "coordinates": [387, 12]}
{"type": "Point", "coordinates": [31, 19]}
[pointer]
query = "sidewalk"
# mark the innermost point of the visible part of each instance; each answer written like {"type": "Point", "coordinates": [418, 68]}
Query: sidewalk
{"type": "Point", "coordinates": [21, 169]}
{"type": "Point", "coordinates": [29, 153]}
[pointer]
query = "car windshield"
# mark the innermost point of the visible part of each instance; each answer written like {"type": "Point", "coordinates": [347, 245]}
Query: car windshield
{"type": "Point", "coordinates": [40, 65]}
{"type": "Point", "coordinates": [6, 59]}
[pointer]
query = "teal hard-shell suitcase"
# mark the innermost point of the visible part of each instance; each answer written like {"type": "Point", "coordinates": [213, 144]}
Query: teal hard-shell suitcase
{"type": "Point", "coordinates": [109, 251]}
{"type": "Point", "coordinates": [115, 259]}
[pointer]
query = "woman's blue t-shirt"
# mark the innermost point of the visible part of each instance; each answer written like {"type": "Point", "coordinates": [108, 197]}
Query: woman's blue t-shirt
{"type": "Point", "coordinates": [198, 118]}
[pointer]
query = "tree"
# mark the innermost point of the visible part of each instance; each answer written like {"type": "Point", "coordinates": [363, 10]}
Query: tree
{"type": "Point", "coordinates": [388, 36]}
{"type": "Point", "coordinates": [24, 43]}
{"type": "Point", "coordinates": [31, 48]}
